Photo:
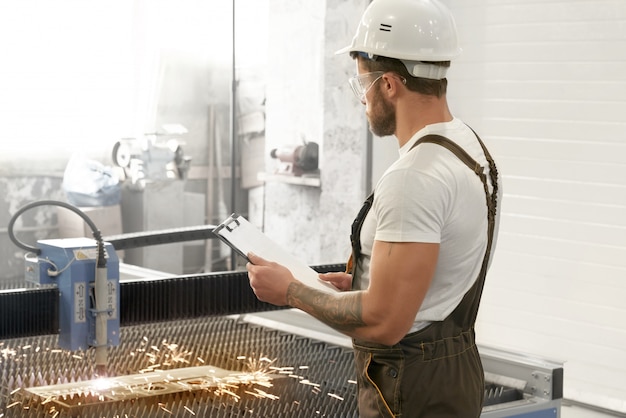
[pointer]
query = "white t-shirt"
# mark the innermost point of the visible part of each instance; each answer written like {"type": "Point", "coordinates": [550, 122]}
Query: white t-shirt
{"type": "Point", "coordinates": [429, 195]}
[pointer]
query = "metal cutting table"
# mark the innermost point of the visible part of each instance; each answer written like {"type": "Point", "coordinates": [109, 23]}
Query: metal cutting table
{"type": "Point", "coordinates": [216, 320]}
{"type": "Point", "coordinates": [203, 345]}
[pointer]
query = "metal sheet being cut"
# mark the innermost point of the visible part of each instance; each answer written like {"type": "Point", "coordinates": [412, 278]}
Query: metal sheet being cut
{"type": "Point", "coordinates": [157, 383]}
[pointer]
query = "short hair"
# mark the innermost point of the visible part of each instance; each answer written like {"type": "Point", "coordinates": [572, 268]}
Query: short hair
{"type": "Point", "coordinates": [425, 86]}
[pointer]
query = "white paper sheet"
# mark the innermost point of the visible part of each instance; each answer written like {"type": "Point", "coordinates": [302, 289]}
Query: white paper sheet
{"type": "Point", "coordinates": [244, 238]}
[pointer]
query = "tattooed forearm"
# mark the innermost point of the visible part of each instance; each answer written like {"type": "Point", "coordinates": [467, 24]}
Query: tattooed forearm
{"type": "Point", "coordinates": [343, 314]}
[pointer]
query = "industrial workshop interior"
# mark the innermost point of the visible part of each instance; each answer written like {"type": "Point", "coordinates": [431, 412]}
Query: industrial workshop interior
{"type": "Point", "coordinates": [131, 129]}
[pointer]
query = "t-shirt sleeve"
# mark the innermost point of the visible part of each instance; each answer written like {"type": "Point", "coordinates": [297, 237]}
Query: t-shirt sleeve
{"type": "Point", "coordinates": [410, 206]}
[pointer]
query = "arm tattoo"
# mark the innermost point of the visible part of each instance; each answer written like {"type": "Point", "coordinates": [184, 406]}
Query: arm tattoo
{"type": "Point", "coordinates": [341, 313]}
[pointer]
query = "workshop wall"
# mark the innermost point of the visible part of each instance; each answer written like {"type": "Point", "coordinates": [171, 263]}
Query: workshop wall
{"type": "Point", "coordinates": [38, 223]}
{"type": "Point", "coordinates": [543, 82]}
{"type": "Point", "coordinates": [308, 98]}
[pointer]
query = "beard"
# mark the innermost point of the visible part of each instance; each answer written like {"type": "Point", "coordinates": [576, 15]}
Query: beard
{"type": "Point", "coordinates": [382, 117]}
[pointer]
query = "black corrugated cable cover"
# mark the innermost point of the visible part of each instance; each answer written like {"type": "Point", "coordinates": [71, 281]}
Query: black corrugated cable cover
{"type": "Point", "coordinates": [187, 297]}
{"type": "Point", "coordinates": [35, 312]}
{"type": "Point", "coordinates": [29, 312]}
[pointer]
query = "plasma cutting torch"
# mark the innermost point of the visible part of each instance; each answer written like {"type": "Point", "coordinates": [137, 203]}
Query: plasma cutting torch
{"type": "Point", "coordinates": [87, 275]}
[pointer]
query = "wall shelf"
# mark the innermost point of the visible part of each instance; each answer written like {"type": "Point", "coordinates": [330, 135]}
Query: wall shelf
{"type": "Point", "coordinates": [305, 180]}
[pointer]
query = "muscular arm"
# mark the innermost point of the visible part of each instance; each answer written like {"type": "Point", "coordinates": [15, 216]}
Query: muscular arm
{"type": "Point", "coordinates": [400, 276]}
{"type": "Point", "coordinates": [345, 313]}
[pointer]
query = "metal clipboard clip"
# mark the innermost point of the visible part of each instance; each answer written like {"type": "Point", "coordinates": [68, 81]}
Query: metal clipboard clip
{"type": "Point", "coordinates": [230, 224]}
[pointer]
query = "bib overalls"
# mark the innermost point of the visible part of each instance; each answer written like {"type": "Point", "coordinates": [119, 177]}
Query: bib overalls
{"type": "Point", "coordinates": [436, 371]}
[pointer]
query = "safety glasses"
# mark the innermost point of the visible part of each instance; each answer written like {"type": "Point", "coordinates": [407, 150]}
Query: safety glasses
{"type": "Point", "coordinates": [362, 83]}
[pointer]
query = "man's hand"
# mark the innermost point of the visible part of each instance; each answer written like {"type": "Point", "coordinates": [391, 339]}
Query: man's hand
{"type": "Point", "coordinates": [342, 281]}
{"type": "Point", "coordinates": [269, 280]}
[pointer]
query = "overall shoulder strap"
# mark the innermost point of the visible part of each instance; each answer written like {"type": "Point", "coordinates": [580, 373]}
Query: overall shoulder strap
{"type": "Point", "coordinates": [472, 164]}
{"type": "Point", "coordinates": [452, 147]}
{"type": "Point", "coordinates": [491, 199]}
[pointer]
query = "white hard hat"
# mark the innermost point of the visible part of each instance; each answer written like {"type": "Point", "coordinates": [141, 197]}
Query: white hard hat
{"type": "Point", "coordinates": [412, 31]}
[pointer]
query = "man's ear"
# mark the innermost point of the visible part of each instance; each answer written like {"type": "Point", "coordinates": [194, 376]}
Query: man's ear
{"type": "Point", "coordinates": [390, 85]}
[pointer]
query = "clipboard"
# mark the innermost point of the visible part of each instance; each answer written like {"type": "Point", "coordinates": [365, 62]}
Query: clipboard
{"type": "Point", "coordinates": [243, 237]}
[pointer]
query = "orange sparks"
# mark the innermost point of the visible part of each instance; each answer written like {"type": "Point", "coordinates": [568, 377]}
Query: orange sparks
{"type": "Point", "coordinates": [233, 394]}
{"type": "Point", "coordinates": [262, 394]}
{"type": "Point", "coordinates": [7, 352]}
{"type": "Point", "coordinates": [307, 382]}
{"type": "Point", "coordinates": [162, 406]}
{"type": "Point", "coordinates": [332, 395]}
{"type": "Point", "coordinates": [255, 381]}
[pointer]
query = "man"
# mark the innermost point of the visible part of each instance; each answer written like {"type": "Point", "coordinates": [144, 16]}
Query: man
{"type": "Point", "coordinates": [423, 241]}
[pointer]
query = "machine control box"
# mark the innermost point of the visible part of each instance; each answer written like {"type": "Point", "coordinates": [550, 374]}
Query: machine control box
{"type": "Point", "coordinates": [70, 265]}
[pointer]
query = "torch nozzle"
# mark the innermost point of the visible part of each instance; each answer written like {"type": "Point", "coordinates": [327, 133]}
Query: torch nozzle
{"type": "Point", "coordinates": [101, 370]}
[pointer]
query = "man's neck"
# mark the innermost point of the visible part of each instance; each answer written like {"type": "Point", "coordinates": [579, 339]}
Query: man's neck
{"type": "Point", "coordinates": [417, 112]}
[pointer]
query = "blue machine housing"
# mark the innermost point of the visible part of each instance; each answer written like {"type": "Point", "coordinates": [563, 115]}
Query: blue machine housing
{"type": "Point", "coordinates": [70, 264]}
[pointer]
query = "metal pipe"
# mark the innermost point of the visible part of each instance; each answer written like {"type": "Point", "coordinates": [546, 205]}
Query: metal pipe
{"type": "Point", "coordinates": [233, 137]}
